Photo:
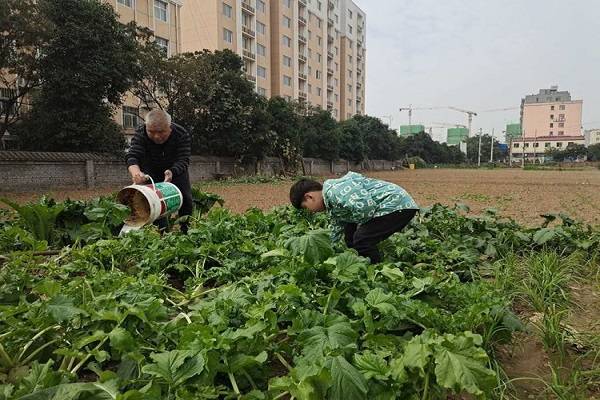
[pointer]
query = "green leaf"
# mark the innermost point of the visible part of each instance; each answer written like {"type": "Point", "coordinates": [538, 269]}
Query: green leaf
{"type": "Point", "coordinates": [347, 382]}
{"type": "Point", "coordinates": [462, 366]}
{"type": "Point", "coordinates": [372, 366]}
{"type": "Point", "coordinates": [378, 299]}
{"type": "Point", "coordinates": [61, 308]}
{"type": "Point", "coordinates": [121, 340]}
{"type": "Point", "coordinates": [336, 334]}
{"type": "Point", "coordinates": [314, 247]}
{"type": "Point", "coordinates": [175, 366]}
{"type": "Point", "coordinates": [417, 353]}
{"type": "Point", "coordinates": [544, 235]}
{"type": "Point", "coordinates": [347, 266]}
{"type": "Point", "coordinates": [77, 391]}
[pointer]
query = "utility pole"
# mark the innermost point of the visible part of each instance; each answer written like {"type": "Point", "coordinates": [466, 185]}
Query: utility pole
{"type": "Point", "coordinates": [479, 152]}
{"type": "Point", "coordinates": [492, 148]}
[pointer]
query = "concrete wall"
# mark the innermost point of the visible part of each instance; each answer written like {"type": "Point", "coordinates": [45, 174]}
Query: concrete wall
{"type": "Point", "coordinates": [30, 172]}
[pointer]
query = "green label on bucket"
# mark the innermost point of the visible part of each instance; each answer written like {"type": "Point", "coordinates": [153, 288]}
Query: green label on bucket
{"type": "Point", "coordinates": [170, 197]}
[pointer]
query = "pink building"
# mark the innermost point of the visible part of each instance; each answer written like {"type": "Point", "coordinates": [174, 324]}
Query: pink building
{"type": "Point", "coordinates": [551, 114]}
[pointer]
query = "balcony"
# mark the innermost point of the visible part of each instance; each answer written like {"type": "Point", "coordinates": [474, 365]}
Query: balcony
{"type": "Point", "coordinates": [330, 39]}
{"type": "Point", "coordinates": [302, 58]}
{"type": "Point", "coordinates": [302, 2]}
{"type": "Point", "coordinates": [251, 78]}
{"type": "Point", "coordinates": [359, 85]}
{"type": "Point", "coordinates": [330, 21]}
{"type": "Point", "coordinates": [302, 76]}
{"type": "Point", "coordinates": [358, 71]}
{"type": "Point", "coordinates": [330, 88]}
{"type": "Point", "coordinates": [330, 55]}
{"type": "Point", "coordinates": [329, 71]}
{"type": "Point", "coordinates": [248, 32]}
{"type": "Point", "coordinates": [249, 55]}
{"type": "Point", "coordinates": [358, 99]}
{"type": "Point", "coordinates": [359, 42]}
{"type": "Point", "coordinates": [302, 20]}
{"type": "Point", "coordinates": [248, 8]}
{"type": "Point", "coordinates": [331, 5]}
{"type": "Point", "coordinates": [302, 95]}
{"type": "Point", "coordinates": [329, 105]}
{"type": "Point", "coordinates": [302, 39]}
{"type": "Point", "coordinates": [359, 57]}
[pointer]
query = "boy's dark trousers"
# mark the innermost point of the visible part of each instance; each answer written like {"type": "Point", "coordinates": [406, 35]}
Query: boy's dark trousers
{"type": "Point", "coordinates": [364, 238]}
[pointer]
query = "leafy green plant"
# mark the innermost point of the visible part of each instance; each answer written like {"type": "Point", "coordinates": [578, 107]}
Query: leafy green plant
{"type": "Point", "coordinates": [38, 218]}
{"type": "Point", "coordinates": [204, 201]}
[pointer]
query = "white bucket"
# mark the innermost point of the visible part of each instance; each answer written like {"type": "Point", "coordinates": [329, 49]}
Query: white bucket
{"type": "Point", "coordinates": [149, 203]}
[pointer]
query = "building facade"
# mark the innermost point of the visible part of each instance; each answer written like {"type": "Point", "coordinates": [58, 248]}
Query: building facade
{"type": "Point", "coordinates": [163, 18]}
{"type": "Point", "coordinates": [308, 50]}
{"type": "Point", "coordinates": [592, 137]}
{"type": "Point", "coordinates": [535, 149]}
{"type": "Point", "coordinates": [551, 113]}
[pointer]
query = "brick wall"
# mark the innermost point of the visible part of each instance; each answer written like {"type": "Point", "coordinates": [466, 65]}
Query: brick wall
{"type": "Point", "coordinates": [29, 171]}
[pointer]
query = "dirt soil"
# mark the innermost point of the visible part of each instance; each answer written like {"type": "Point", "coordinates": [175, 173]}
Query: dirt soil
{"type": "Point", "coordinates": [523, 195]}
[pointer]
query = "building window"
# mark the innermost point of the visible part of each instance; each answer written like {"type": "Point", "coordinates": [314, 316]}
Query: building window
{"type": "Point", "coordinates": [561, 124]}
{"type": "Point", "coordinates": [318, 74]}
{"type": "Point", "coordinates": [350, 14]}
{"type": "Point", "coordinates": [127, 3]}
{"type": "Point", "coordinates": [526, 144]}
{"type": "Point", "coordinates": [561, 117]}
{"type": "Point", "coordinates": [261, 50]}
{"type": "Point", "coordinates": [516, 145]}
{"type": "Point", "coordinates": [551, 108]}
{"type": "Point", "coordinates": [287, 42]}
{"type": "Point", "coordinates": [559, 144]}
{"type": "Point", "coordinates": [160, 10]}
{"type": "Point", "coordinates": [287, 81]}
{"type": "Point", "coordinates": [319, 57]}
{"type": "Point", "coordinates": [227, 10]}
{"type": "Point", "coordinates": [261, 71]}
{"type": "Point", "coordinates": [287, 22]}
{"type": "Point", "coordinates": [227, 35]}
{"type": "Point", "coordinates": [261, 28]}
{"type": "Point", "coordinates": [319, 92]}
{"type": "Point", "coordinates": [350, 88]}
{"type": "Point", "coordinates": [319, 5]}
{"type": "Point", "coordinates": [547, 144]}
{"type": "Point", "coordinates": [335, 81]}
{"type": "Point", "coordinates": [131, 118]}
{"type": "Point", "coordinates": [319, 23]}
{"type": "Point", "coordinates": [163, 44]}
{"type": "Point", "coordinates": [551, 124]}
{"type": "Point", "coordinates": [319, 40]}
{"type": "Point", "coordinates": [551, 116]}
{"type": "Point", "coordinates": [536, 144]}
{"type": "Point", "coordinates": [262, 91]}
{"type": "Point", "coordinates": [287, 61]}
{"type": "Point", "coordinates": [561, 133]}
{"type": "Point", "coordinates": [260, 6]}
{"type": "Point", "coordinates": [561, 107]}
{"type": "Point", "coordinates": [551, 133]}
{"type": "Point", "coordinates": [350, 74]}
{"type": "Point", "coordinates": [350, 29]}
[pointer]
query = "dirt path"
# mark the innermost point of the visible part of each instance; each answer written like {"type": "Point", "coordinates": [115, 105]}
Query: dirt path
{"type": "Point", "coordinates": [523, 195]}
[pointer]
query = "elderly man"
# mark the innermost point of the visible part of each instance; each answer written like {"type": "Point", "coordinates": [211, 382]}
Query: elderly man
{"type": "Point", "coordinates": [162, 150]}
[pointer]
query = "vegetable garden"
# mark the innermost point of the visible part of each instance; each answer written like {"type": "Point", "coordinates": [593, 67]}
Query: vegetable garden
{"type": "Point", "coordinates": [263, 306]}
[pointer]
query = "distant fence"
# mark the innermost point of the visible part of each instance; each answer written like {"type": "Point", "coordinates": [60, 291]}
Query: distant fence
{"type": "Point", "coordinates": [22, 171]}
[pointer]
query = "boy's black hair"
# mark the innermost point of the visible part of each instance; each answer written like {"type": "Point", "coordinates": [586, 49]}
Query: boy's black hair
{"type": "Point", "coordinates": [300, 188]}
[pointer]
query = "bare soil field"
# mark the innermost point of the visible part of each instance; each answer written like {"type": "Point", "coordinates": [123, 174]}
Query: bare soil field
{"type": "Point", "coordinates": [523, 195]}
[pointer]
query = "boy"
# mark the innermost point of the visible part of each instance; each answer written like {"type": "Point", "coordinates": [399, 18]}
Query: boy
{"type": "Point", "coordinates": [366, 210]}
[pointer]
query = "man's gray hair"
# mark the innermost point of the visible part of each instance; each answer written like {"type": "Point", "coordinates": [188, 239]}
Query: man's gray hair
{"type": "Point", "coordinates": [158, 118]}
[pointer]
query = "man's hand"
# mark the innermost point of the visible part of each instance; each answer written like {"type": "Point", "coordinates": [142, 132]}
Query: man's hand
{"type": "Point", "coordinates": [168, 175]}
{"type": "Point", "coordinates": [137, 176]}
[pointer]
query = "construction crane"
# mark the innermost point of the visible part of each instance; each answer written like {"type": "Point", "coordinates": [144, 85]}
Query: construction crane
{"type": "Point", "coordinates": [410, 109]}
{"type": "Point", "coordinates": [501, 109]}
{"type": "Point", "coordinates": [470, 115]}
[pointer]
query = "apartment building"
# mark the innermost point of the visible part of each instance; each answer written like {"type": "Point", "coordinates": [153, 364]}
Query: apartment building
{"type": "Point", "coordinates": [535, 149]}
{"type": "Point", "coordinates": [308, 50]}
{"type": "Point", "coordinates": [551, 113]}
{"type": "Point", "coordinates": [163, 17]}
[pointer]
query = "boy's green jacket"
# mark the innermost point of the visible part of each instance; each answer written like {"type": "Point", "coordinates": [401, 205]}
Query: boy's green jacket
{"type": "Point", "coordinates": [357, 199]}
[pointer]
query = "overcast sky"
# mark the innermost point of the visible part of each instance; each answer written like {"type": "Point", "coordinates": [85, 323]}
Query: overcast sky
{"type": "Point", "coordinates": [479, 55]}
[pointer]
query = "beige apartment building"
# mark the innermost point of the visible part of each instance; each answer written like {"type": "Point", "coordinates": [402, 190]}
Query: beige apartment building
{"type": "Point", "coordinates": [163, 18]}
{"type": "Point", "coordinates": [308, 50]}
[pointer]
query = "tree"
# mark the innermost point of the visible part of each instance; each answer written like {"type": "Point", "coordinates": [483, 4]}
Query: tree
{"type": "Point", "coordinates": [473, 149]}
{"type": "Point", "coordinates": [320, 134]}
{"type": "Point", "coordinates": [25, 34]}
{"type": "Point", "coordinates": [573, 152]}
{"type": "Point", "coordinates": [286, 130]}
{"type": "Point", "coordinates": [89, 63]}
{"type": "Point", "coordinates": [423, 146]}
{"type": "Point", "coordinates": [381, 142]}
{"type": "Point", "coordinates": [593, 152]}
{"type": "Point", "coordinates": [352, 142]}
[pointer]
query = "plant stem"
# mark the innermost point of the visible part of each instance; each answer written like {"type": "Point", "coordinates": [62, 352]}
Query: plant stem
{"type": "Point", "coordinates": [283, 361]}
